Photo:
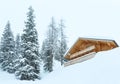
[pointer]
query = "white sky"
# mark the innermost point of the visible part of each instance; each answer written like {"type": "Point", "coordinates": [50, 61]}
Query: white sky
{"type": "Point", "coordinates": [83, 18]}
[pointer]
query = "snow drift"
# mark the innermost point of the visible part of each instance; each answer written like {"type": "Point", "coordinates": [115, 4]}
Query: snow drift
{"type": "Point", "coordinates": [103, 69]}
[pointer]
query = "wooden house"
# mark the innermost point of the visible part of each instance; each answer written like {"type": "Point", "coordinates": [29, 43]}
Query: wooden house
{"type": "Point", "coordinates": [86, 48]}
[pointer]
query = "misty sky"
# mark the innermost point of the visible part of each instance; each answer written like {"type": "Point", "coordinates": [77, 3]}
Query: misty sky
{"type": "Point", "coordinates": [83, 18]}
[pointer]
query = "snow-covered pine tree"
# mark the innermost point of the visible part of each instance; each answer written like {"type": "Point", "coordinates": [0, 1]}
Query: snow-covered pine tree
{"type": "Point", "coordinates": [46, 56]}
{"type": "Point", "coordinates": [7, 50]}
{"type": "Point", "coordinates": [18, 46]}
{"type": "Point", "coordinates": [42, 51]}
{"type": "Point", "coordinates": [17, 52]}
{"type": "Point", "coordinates": [50, 46]}
{"type": "Point", "coordinates": [62, 44]}
{"type": "Point", "coordinates": [29, 64]}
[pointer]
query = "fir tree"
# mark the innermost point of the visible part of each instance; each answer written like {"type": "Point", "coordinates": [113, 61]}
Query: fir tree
{"type": "Point", "coordinates": [63, 43]}
{"type": "Point", "coordinates": [18, 46]}
{"type": "Point", "coordinates": [49, 47]}
{"type": "Point", "coordinates": [7, 50]}
{"type": "Point", "coordinates": [17, 52]}
{"type": "Point", "coordinates": [29, 64]}
{"type": "Point", "coordinates": [43, 49]}
{"type": "Point", "coordinates": [47, 58]}
{"type": "Point", "coordinates": [61, 46]}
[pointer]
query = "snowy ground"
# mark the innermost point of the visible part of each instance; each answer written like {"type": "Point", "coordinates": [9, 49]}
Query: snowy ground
{"type": "Point", "coordinates": [103, 69]}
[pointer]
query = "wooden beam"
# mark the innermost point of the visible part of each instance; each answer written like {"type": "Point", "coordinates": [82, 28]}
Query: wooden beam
{"type": "Point", "coordinates": [80, 59]}
{"type": "Point", "coordinates": [82, 52]}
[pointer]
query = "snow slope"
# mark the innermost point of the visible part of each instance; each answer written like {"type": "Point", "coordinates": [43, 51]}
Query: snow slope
{"type": "Point", "coordinates": [103, 69]}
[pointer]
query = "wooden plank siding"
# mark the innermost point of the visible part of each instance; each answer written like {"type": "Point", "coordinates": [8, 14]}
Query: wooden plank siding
{"type": "Point", "coordinates": [80, 59]}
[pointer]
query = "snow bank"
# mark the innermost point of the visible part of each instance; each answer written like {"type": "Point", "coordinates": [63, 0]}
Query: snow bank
{"type": "Point", "coordinates": [103, 69]}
